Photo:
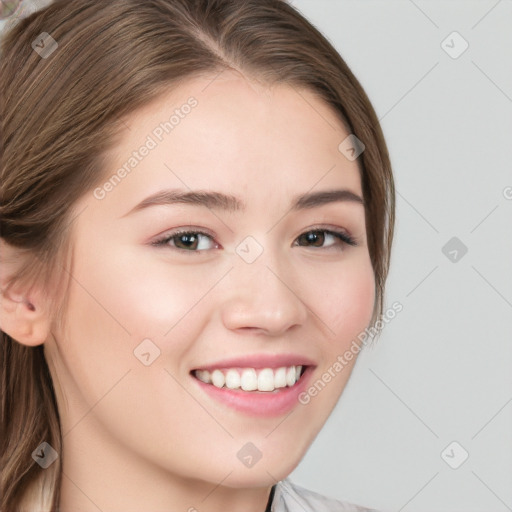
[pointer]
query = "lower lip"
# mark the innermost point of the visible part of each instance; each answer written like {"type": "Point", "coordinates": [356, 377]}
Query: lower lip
{"type": "Point", "coordinates": [260, 403]}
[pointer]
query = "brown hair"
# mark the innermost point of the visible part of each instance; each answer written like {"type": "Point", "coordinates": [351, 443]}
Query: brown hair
{"type": "Point", "coordinates": [60, 113]}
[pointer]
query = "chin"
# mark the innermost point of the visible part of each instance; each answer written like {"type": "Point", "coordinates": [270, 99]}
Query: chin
{"type": "Point", "coordinates": [262, 474]}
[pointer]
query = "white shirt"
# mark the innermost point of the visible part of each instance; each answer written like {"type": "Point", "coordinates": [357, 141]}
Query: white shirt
{"type": "Point", "coordinates": [289, 497]}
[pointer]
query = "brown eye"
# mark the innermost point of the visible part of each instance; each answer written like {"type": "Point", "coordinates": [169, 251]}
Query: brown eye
{"type": "Point", "coordinates": [317, 238]}
{"type": "Point", "coordinates": [189, 241]}
{"type": "Point", "coordinates": [313, 237]}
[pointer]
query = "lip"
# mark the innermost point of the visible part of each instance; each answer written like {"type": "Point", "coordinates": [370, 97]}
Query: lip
{"type": "Point", "coordinates": [262, 404]}
{"type": "Point", "coordinates": [259, 361]}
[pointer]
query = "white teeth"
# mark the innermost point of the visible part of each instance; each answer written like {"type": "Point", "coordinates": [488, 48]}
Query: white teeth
{"type": "Point", "coordinates": [290, 376]}
{"type": "Point", "coordinates": [232, 379]}
{"type": "Point", "coordinates": [250, 379]}
{"type": "Point", "coordinates": [280, 378]}
{"type": "Point", "coordinates": [217, 378]}
{"type": "Point", "coordinates": [266, 380]}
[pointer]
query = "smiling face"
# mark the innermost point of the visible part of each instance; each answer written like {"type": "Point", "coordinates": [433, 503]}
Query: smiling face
{"type": "Point", "coordinates": [272, 283]}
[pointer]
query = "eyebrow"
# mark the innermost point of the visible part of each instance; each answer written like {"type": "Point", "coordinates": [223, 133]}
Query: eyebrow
{"type": "Point", "coordinates": [226, 202]}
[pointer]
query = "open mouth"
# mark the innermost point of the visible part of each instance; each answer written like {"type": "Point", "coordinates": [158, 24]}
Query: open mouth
{"type": "Point", "coordinates": [265, 380]}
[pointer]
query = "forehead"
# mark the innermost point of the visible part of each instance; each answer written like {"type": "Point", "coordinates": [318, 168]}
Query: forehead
{"type": "Point", "coordinates": [240, 136]}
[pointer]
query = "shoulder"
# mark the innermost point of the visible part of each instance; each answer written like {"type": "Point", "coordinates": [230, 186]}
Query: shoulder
{"type": "Point", "coordinates": [290, 497]}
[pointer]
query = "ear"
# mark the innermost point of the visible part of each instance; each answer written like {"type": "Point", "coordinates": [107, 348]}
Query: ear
{"type": "Point", "coordinates": [23, 314]}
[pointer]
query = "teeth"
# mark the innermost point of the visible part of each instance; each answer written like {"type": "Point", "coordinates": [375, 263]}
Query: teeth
{"type": "Point", "coordinates": [280, 378]}
{"type": "Point", "coordinates": [232, 379]}
{"type": "Point", "coordinates": [291, 374]}
{"type": "Point", "coordinates": [203, 376]}
{"type": "Point", "coordinates": [266, 380]}
{"type": "Point", "coordinates": [217, 378]}
{"type": "Point", "coordinates": [250, 379]}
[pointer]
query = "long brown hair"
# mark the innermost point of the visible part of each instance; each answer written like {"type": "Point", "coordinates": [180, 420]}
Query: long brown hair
{"type": "Point", "coordinates": [61, 111]}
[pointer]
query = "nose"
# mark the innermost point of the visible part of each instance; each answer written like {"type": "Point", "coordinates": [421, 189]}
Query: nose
{"type": "Point", "coordinates": [263, 296]}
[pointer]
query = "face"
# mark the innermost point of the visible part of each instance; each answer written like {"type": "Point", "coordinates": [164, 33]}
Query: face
{"type": "Point", "coordinates": [274, 283]}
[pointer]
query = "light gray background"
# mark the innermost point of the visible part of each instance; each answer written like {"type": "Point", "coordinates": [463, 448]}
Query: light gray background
{"type": "Point", "coordinates": [441, 370]}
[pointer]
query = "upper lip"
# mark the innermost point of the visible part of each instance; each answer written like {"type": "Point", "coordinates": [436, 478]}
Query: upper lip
{"type": "Point", "coordinates": [260, 361]}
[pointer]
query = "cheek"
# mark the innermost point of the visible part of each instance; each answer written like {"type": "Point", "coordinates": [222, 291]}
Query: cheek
{"type": "Point", "coordinates": [343, 298]}
{"type": "Point", "coordinates": [112, 307]}
{"type": "Point", "coordinates": [142, 291]}
{"type": "Point", "coordinates": [114, 303]}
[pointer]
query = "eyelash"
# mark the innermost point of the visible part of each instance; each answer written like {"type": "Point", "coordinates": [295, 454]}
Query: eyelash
{"type": "Point", "coordinates": [340, 235]}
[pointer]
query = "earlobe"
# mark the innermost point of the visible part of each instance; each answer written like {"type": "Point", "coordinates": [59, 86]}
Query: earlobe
{"type": "Point", "coordinates": [22, 313]}
{"type": "Point", "coordinates": [22, 320]}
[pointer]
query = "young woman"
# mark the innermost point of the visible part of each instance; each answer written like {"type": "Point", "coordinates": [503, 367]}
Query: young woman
{"type": "Point", "coordinates": [197, 210]}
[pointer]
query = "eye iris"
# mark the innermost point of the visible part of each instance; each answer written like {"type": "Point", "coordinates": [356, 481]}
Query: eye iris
{"type": "Point", "coordinates": [315, 237]}
{"type": "Point", "coordinates": [189, 238]}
